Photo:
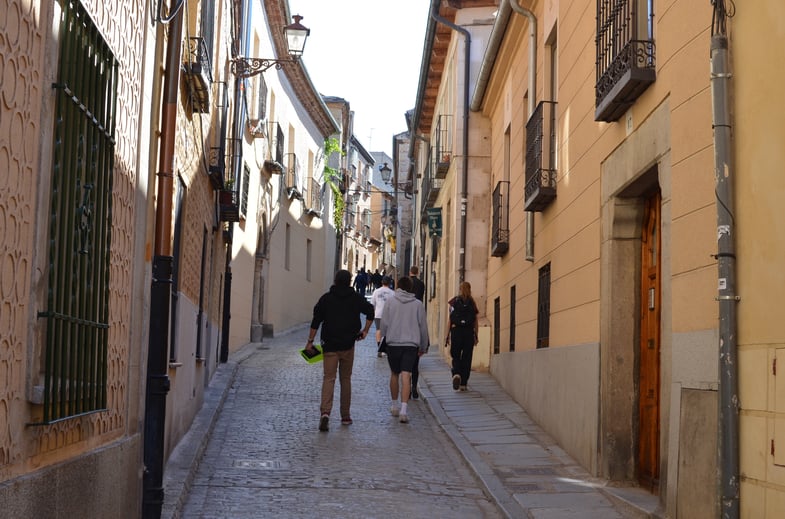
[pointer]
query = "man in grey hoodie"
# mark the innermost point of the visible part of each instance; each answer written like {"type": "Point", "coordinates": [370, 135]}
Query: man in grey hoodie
{"type": "Point", "coordinates": [404, 326]}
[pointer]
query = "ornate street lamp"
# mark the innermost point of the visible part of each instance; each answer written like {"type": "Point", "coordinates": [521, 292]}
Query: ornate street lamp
{"type": "Point", "coordinates": [296, 35]}
{"type": "Point", "coordinates": [386, 173]}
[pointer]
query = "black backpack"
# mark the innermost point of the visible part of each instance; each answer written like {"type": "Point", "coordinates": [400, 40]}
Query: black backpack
{"type": "Point", "coordinates": [463, 313]}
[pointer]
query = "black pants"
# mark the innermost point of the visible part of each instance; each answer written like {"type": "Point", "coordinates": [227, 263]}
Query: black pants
{"type": "Point", "coordinates": [461, 350]}
{"type": "Point", "coordinates": [416, 372]}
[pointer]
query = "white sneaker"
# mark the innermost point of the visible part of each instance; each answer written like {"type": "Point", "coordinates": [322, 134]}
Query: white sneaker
{"type": "Point", "coordinates": [394, 410]}
{"type": "Point", "coordinates": [404, 418]}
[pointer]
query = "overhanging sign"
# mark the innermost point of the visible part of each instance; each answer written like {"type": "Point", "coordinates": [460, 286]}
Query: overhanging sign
{"type": "Point", "coordinates": [434, 221]}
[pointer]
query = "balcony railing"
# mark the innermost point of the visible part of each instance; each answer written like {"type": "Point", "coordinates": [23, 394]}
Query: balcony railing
{"type": "Point", "coordinates": [500, 238]}
{"type": "Point", "coordinates": [315, 198]}
{"type": "Point", "coordinates": [292, 176]}
{"type": "Point", "coordinates": [198, 74]}
{"type": "Point", "coordinates": [431, 183]}
{"type": "Point", "coordinates": [442, 150]}
{"type": "Point", "coordinates": [229, 209]}
{"type": "Point", "coordinates": [540, 189]}
{"type": "Point", "coordinates": [625, 56]}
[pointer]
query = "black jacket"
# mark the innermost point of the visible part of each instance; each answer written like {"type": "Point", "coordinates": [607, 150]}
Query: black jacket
{"type": "Point", "coordinates": [418, 287]}
{"type": "Point", "coordinates": [338, 312]}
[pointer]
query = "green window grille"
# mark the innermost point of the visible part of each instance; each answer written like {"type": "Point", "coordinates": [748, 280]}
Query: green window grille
{"type": "Point", "coordinates": [77, 314]}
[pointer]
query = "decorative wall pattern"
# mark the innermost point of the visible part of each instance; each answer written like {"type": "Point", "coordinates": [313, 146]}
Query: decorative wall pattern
{"type": "Point", "coordinates": [25, 54]}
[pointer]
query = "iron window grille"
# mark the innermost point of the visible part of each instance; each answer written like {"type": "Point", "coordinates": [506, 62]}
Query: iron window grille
{"type": "Point", "coordinates": [500, 228]}
{"type": "Point", "coordinates": [544, 307]}
{"type": "Point", "coordinates": [77, 305]}
{"type": "Point", "coordinates": [513, 322]}
{"type": "Point", "coordinates": [540, 189]}
{"type": "Point", "coordinates": [198, 74]}
{"type": "Point", "coordinates": [625, 55]}
{"type": "Point", "coordinates": [497, 324]}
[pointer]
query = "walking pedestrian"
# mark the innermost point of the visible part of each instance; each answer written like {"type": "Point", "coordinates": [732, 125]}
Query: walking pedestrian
{"type": "Point", "coordinates": [338, 312]}
{"type": "Point", "coordinates": [406, 332]}
{"type": "Point", "coordinates": [462, 338]}
{"type": "Point", "coordinates": [361, 281]}
{"type": "Point", "coordinates": [379, 296]}
{"type": "Point", "coordinates": [376, 279]}
{"type": "Point", "coordinates": [418, 288]}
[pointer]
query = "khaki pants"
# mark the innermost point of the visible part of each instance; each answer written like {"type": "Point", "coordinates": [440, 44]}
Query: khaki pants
{"type": "Point", "coordinates": [340, 362]}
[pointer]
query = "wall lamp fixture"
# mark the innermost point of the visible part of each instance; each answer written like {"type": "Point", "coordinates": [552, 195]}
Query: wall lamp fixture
{"type": "Point", "coordinates": [296, 34]}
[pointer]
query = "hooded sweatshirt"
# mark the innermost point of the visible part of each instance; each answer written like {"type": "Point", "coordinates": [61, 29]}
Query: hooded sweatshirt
{"type": "Point", "coordinates": [403, 321]}
{"type": "Point", "coordinates": [339, 311]}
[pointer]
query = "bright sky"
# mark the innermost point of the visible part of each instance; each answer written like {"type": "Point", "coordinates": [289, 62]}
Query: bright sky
{"type": "Point", "coordinates": [367, 52]}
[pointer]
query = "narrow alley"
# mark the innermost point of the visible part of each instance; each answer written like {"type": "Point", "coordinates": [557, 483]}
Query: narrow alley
{"type": "Point", "coordinates": [263, 455]}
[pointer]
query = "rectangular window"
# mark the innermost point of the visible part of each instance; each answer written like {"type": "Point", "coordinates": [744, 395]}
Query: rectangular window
{"type": "Point", "coordinates": [544, 307]}
{"type": "Point", "coordinates": [77, 305]}
{"type": "Point", "coordinates": [287, 247]}
{"type": "Point", "coordinates": [512, 318]}
{"type": "Point", "coordinates": [308, 259]}
{"type": "Point", "coordinates": [245, 186]}
{"type": "Point", "coordinates": [497, 322]}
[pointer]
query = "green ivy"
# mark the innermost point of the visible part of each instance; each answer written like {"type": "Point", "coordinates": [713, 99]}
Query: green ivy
{"type": "Point", "coordinates": [333, 178]}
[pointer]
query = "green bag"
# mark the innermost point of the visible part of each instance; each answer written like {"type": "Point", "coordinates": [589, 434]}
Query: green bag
{"type": "Point", "coordinates": [313, 358]}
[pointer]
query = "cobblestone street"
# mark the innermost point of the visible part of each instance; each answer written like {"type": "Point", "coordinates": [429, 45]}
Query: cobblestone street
{"type": "Point", "coordinates": [267, 458]}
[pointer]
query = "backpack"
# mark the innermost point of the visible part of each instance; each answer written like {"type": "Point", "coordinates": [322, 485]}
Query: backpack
{"type": "Point", "coordinates": [463, 313]}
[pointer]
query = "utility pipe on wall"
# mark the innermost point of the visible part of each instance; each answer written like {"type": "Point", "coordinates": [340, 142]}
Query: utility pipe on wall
{"type": "Point", "coordinates": [529, 242]}
{"type": "Point", "coordinates": [160, 293]}
{"type": "Point", "coordinates": [728, 445]}
{"type": "Point", "coordinates": [465, 176]}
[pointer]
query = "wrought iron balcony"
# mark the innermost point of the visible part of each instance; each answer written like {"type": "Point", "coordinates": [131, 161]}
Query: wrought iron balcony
{"type": "Point", "coordinates": [442, 150]}
{"type": "Point", "coordinates": [198, 74]}
{"type": "Point", "coordinates": [292, 176]}
{"type": "Point", "coordinates": [500, 238]}
{"type": "Point", "coordinates": [540, 189]}
{"type": "Point", "coordinates": [315, 199]}
{"type": "Point", "coordinates": [229, 209]}
{"type": "Point", "coordinates": [625, 56]}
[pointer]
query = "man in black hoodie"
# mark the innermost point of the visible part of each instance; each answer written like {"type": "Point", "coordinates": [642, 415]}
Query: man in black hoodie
{"type": "Point", "coordinates": [338, 312]}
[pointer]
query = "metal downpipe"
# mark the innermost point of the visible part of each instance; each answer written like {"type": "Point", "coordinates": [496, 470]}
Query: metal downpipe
{"type": "Point", "coordinates": [529, 241]}
{"type": "Point", "coordinates": [160, 293]}
{"type": "Point", "coordinates": [465, 176]}
{"type": "Point", "coordinates": [728, 445]}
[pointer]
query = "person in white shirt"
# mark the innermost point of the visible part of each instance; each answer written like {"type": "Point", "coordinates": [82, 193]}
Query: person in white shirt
{"type": "Point", "coordinates": [378, 298]}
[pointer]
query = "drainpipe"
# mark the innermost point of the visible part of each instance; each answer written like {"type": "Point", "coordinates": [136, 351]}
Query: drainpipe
{"type": "Point", "coordinates": [726, 259]}
{"type": "Point", "coordinates": [529, 242]}
{"type": "Point", "coordinates": [160, 294]}
{"type": "Point", "coordinates": [465, 176]}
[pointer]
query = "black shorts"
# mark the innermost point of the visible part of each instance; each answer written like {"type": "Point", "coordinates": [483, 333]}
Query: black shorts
{"type": "Point", "coordinates": [401, 358]}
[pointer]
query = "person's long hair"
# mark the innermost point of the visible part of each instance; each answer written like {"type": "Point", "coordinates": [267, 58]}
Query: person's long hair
{"type": "Point", "coordinates": [465, 291]}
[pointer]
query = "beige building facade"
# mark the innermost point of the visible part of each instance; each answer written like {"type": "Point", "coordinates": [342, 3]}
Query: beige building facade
{"type": "Point", "coordinates": [284, 240]}
{"type": "Point", "coordinates": [593, 232]}
{"type": "Point", "coordinates": [74, 213]}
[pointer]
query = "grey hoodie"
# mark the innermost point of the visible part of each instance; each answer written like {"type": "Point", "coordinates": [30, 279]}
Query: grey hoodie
{"type": "Point", "coordinates": [403, 321]}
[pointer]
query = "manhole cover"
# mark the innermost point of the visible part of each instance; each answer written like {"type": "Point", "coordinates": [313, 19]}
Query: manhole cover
{"type": "Point", "coordinates": [258, 464]}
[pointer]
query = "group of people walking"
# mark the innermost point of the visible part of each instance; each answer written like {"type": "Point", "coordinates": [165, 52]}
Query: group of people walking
{"type": "Point", "coordinates": [400, 319]}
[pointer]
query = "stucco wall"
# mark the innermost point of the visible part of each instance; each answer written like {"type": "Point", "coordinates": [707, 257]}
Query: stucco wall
{"type": "Point", "coordinates": [559, 388]}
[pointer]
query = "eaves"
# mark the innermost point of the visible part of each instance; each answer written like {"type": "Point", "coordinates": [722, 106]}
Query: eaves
{"type": "Point", "coordinates": [278, 17]}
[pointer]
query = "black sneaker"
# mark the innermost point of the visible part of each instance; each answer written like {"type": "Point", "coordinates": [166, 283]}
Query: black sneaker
{"type": "Point", "coordinates": [415, 394]}
{"type": "Point", "coordinates": [456, 382]}
{"type": "Point", "coordinates": [324, 422]}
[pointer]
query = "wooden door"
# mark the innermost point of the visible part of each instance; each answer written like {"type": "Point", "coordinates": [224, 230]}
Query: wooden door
{"type": "Point", "coordinates": [649, 374]}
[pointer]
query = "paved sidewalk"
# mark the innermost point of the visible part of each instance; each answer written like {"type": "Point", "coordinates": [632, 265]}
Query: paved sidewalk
{"type": "Point", "coordinates": [521, 468]}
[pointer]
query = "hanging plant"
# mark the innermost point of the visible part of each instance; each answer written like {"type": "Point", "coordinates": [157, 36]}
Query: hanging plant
{"type": "Point", "coordinates": [332, 176]}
